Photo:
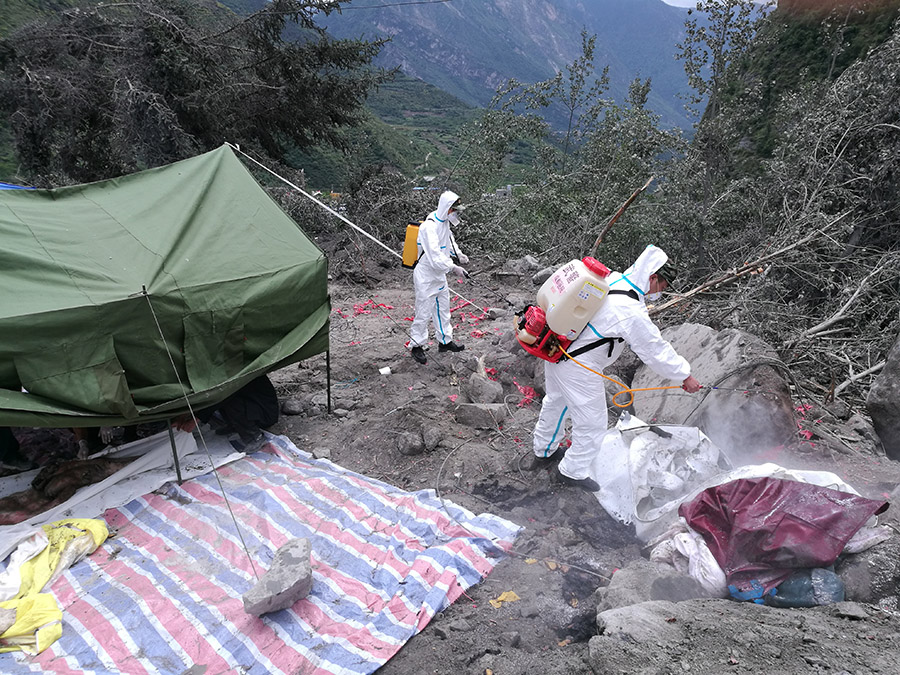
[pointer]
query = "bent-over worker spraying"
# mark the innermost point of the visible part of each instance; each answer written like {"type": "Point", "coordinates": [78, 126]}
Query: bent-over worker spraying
{"type": "Point", "coordinates": [574, 392]}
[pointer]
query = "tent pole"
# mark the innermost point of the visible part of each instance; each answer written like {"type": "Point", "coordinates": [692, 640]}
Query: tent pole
{"type": "Point", "coordinates": [174, 453]}
{"type": "Point", "coordinates": [328, 378]}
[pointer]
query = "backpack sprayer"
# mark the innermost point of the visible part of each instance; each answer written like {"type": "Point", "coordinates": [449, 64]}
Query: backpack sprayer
{"type": "Point", "coordinates": [565, 303]}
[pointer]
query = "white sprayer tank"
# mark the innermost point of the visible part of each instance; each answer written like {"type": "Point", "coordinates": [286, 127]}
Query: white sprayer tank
{"type": "Point", "coordinates": [572, 295]}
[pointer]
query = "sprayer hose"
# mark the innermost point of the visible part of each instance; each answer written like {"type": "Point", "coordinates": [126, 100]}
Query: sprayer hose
{"type": "Point", "coordinates": [625, 389]}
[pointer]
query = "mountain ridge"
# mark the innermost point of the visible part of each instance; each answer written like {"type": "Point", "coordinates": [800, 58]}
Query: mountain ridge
{"type": "Point", "coordinates": [470, 47]}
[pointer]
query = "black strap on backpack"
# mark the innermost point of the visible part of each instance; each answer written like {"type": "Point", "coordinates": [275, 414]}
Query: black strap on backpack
{"type": "Point", "coordinates": [631, 293]}
{"type": "Point", "coordinates": [593, 345]}
{"type": "Point", "coordinates": [611, 341]}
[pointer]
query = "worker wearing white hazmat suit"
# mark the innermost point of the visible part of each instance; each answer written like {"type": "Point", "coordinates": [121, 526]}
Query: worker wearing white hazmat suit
{"type": "Point", "coordinates": [576, 393]}
{"type": "Point", "coordinates": [435, 245]}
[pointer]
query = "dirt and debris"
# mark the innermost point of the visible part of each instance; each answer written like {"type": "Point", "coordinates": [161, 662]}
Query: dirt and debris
{"type": "Point", "coordinates": [537, 612]}
{"type": "Point", "coordinates": [461, 425]}
{"type": "Point", "coordinates": [56, 482]}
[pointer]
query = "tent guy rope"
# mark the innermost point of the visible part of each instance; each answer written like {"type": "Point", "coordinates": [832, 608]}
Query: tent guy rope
{"type": "Point", "coordinates": [330, 210]}
{"type": "Point", "coordinates": [199, 433]}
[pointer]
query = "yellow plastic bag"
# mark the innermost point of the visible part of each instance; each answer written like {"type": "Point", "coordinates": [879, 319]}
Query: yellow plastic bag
{"type": "Point", "coordinates": [38, 617]}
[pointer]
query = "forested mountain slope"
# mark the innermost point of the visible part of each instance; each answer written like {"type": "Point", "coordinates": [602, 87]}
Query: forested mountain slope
{"type": "Point", "coordinates": [414, 140]}
{"type": "Point", "coordinates": [470, 47]}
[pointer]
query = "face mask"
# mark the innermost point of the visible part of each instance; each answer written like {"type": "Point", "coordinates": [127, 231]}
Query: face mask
{"type": "Point", "coordinates": [454, 218]}
{"type": "Point", "coordinates": [652, 297]}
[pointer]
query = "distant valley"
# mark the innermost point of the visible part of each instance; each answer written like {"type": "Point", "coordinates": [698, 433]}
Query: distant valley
{"type": "Point", "coordinates": [469, 47]}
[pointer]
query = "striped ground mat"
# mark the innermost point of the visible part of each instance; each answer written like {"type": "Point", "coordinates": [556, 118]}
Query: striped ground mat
{"type": "Point", "coordinates": [164, 594]}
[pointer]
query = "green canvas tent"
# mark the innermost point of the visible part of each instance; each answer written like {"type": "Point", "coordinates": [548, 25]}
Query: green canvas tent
{"type": "Point", "coordinates": [124, 299]}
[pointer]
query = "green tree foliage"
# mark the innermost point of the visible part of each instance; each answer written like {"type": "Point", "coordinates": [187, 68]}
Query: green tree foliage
{"type": "Point", "coordinates": [761, 99]}
{"type": "Point", "coordinates": [820, 206]}
{"type": "Point", "coordinates": [579, 176]}
{"type": "Point", "coordinates": [412, 128]}
{"type": "Point", "coordinates": [794, 53]}
{"type": "Point", "coordinates": [103, 90]}
{"type": "Point", "coordinates": [718, 36]}
{"type": "Point", "coordinates": [714, 42]}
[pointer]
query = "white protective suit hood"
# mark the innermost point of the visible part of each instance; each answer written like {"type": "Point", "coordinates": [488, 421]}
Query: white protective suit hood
{"type": "Point", "coordinates": [447, 200]}
{"type": "Point", "coordinates": [638, 275]}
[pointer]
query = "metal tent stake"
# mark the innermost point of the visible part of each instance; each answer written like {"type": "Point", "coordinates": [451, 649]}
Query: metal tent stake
{"type": "Point", "coordinates": [174, 452]}
{"type": "Point", "coordinates": [328, 378]}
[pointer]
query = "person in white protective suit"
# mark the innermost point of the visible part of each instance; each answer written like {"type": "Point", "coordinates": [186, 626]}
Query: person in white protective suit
{"type": "Point", "coordinates": [436, 245]}
{"type": "Point", "coordinates": [572, 392]}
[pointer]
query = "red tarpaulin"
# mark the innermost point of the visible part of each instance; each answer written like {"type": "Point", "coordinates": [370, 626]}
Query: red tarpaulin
{"type": "Point", "coordinates": [763, 529]}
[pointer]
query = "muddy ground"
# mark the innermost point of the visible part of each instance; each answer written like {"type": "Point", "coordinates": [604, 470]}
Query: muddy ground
{"type": "Point", "coordinates": [569, 547]}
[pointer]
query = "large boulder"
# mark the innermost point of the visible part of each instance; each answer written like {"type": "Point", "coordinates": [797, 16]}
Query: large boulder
{"type": "Point", "coordinates": [723, 636]}
{"type": "Point", "coordinates": [642, 580]}
{"type": "Point", "coordinates": [514, 270]}
{"type": "Point", "coordinates": [883, 403]}
{"type": "Point", "coordinates": [749, 412]}
{"type": "Point", "coordinates": [873, 576]}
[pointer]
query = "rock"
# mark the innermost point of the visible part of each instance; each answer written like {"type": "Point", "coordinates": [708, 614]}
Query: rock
{"type": "Point", "coordinates": [292, 407]}
{"type": "Point", "coordinates": [432, 437]}
{"type": "Point", "coordinates": [479, 389]}
{"type": "Point", "coordinates": [510, 345]}
{"type": "Point", "coordinates": [321, 453]}
{"type": "Point", "coordinates": [892, 515]}
{"type": "Point", "coordinates": [647, 622]}
{"type": "Point", "coordinates": [742, 424]}
{"type": "Point", "coordinates": [849, 610]}
{"type": "Point", "coordinates": [642, 580]}
{"type": "Point", "coordinates": [872, 576]}
{"type": "Point", "coordinates": [481, 415]}
{"type": "Point", "coordinates": [839, 409]}
{"type": "Point", "coordinates": [883, 403]}
{"type": "Point", "coordinates": [529, 262]}
{"type": "Point", "coordinates": [862, 428]}
{"type": "Point", "coordinates": [519, 300]}
{"type": "Point", "coordinates": [510, 639]}
{"type": "Point", "coordinates": [723, 636]}
{"type": "Point", "coordinates": [520, 366]}
{"type": "Point", "coordinates": [287, 580]}
{"type": "Point", "coordinates": [410, 443]}
{"type": "Point", "coordinates": [542, 276]}
{"type": "Point", "coordinates": [519, 267]}
{"type": "Point", "coordinates": [497, 312]}
{"type": "Point", "coordinates": [461, 626]}
{"type": "Point", "coordinates": [340, 412]}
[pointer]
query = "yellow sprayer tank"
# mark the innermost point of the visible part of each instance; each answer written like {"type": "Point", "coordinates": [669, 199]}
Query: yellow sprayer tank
{"type": "Point", "coordinates": [410, 256]}
{"type": "Point", "coordinates": [572, 295]}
